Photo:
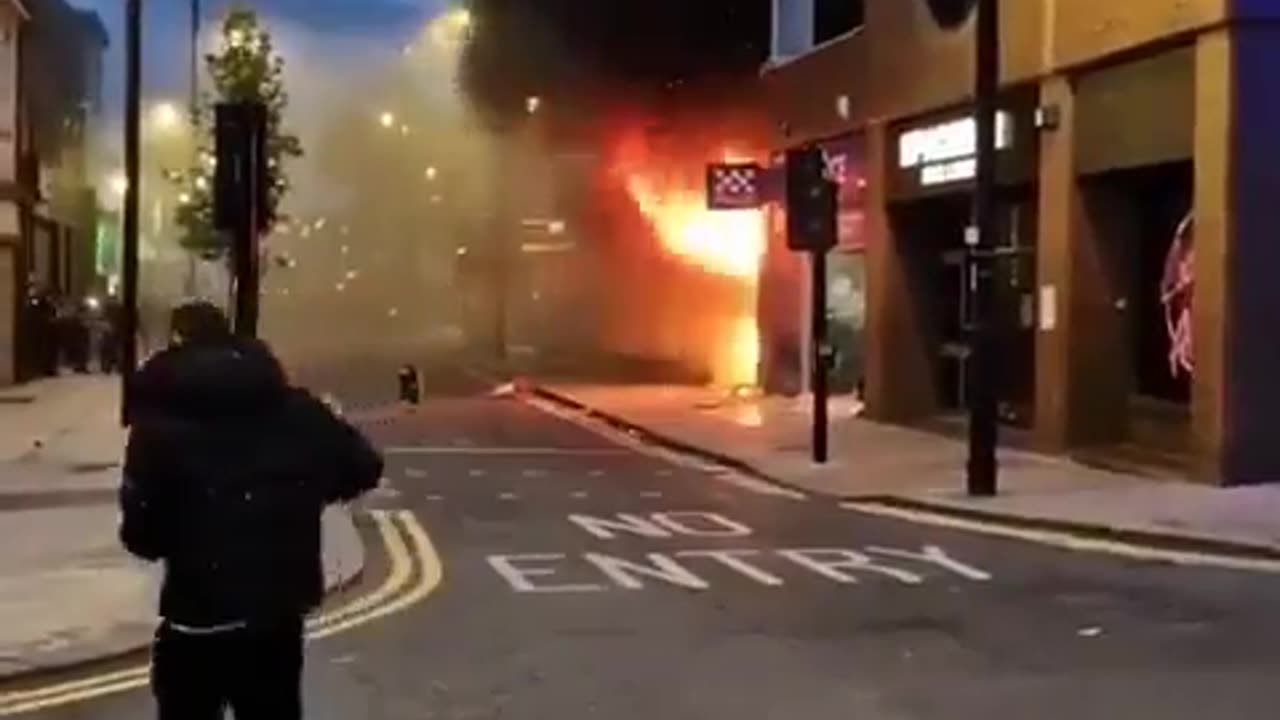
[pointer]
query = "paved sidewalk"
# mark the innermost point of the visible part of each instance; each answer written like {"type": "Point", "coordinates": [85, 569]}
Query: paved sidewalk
{"type": "Point", "coordinates": [871, 460]}
{"type": "Point", "coordinates": [68, 592]}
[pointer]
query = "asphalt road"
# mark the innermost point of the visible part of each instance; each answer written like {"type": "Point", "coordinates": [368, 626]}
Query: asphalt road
{"type": "Point", "coordinates": [587, 579]}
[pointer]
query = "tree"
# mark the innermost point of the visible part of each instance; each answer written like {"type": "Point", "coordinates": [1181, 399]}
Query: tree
{"type": "Point", "coordinates": [244, 68]}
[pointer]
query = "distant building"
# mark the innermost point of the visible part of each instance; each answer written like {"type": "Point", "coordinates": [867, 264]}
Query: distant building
{"type": "Point", "coordinates": [13, 196]}
{"type": "Point", "coordinates": [50, 96]}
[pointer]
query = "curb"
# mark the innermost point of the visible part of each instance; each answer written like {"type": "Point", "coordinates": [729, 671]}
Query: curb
{"type": "Point", "coordinates": [1096, 531]}
{"type": "Point", "coordinates": [666, 441]}
{"type": "Point", "coordinates": [139, 648]}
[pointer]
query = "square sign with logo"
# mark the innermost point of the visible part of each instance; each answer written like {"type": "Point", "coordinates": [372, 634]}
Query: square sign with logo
{"type": "Point", "coordinates": [734, 186]}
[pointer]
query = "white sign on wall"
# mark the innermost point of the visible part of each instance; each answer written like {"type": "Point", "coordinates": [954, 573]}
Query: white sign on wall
{"type": "Point", "coordinates": [947, 152]}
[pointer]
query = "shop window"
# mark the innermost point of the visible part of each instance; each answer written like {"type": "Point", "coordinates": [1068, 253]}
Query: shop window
{"type": "Point", "coordinates": [833, 18]}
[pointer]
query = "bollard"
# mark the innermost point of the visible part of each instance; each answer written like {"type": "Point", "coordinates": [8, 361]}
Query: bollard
{"type": "Point", "coordinates": [410, 388]}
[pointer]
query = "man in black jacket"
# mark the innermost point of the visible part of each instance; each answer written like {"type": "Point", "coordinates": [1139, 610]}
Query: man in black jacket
{"type": "Point", "coordinates": [227, 473]}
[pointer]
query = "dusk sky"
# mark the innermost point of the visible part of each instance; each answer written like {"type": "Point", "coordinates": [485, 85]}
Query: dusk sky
{"type": "Point", "coordinates": [352, 28]}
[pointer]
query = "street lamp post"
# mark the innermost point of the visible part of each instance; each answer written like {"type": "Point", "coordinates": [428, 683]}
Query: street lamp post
{"type": "Point", "coordinates": [132, 140]}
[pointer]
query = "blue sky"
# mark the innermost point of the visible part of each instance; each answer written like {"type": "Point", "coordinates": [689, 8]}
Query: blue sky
{"type": "Point", "coordinates": [352, 24]}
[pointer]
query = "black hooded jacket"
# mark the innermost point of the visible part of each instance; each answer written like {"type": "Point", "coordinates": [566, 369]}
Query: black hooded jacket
{"type": "Point", "coordinates": [227, 473]}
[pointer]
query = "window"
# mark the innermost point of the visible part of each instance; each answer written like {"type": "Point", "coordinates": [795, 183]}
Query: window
{"type": "Point", "coordinates": [833, 18]}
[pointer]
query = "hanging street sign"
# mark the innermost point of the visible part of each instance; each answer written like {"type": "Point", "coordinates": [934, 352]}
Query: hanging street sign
{"type": "Point", "coordinates": [734, 186]}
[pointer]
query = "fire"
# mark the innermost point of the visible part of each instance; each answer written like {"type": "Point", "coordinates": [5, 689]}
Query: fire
{"type": "Point", "coordinates": [724, 242]}
{"type": "Point", "coordinates": [729, 244]}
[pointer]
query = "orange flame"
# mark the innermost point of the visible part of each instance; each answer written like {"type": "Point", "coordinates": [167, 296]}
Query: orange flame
{"type": "Point", "coordinates": [725, 243]}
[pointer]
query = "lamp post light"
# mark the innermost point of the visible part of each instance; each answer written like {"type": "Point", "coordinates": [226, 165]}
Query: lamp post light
{"type": "Point", "coordinates": [166, 116]}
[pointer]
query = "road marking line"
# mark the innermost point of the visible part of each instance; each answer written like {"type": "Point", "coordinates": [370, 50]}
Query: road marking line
{"type": "Point", "coordinates": [664, 473]}
{"type": "Point", "coordinates": [596, 473]}
{"type": "Point", "coordinates": [401, 569]}
{"type": "Point", "coordinates": [533, 473]}
{"type": "Point", "coordinates": [651, 495]}
{"type": "Point", "coordinates": [435, 498]}
{"type": "Point", "coordinates": [430, 575]}
{"type": "Point", "coordinates": [508, 496]}
{"type": "Point", "coordinates": [629, 440]}
{"type": "Point", "coordinates": [578, 495]}
{"type": "Point", "coordinates": [476, 473]}
{"type": "Point", "coordinates": [415, 473]}
{"type": "Point", "coordinates": [511, 451]}
{"type": "Point", "coordinates": [1068, 541]}
{"type": "Point", "coordinates": [359, 611]}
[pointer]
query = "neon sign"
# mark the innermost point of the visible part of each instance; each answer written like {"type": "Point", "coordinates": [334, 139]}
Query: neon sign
{"type": "Point", "coordinates": [1177, 292]}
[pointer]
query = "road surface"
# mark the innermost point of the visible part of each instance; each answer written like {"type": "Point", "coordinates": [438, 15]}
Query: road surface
{"type": "Point", "coordinates": [547, 571]}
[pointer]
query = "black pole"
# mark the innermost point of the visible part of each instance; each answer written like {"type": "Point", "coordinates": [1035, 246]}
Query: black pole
{"type": "Point", "coordinates": [190, 280]}
{"type": "Point", "coordinates": [247, 275]}
{"type": "Point", "coordinates": [820, 353]}
{"type": "Point", "coordinates": [195, 57]}
{"type": "Point", "coordinates": [983, 403]}
{"type": "Point", "coordinates": [132, 142]}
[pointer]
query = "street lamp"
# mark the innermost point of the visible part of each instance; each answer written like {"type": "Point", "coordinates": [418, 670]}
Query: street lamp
{"type": "Point", "coordinates": [431, 172]}
{"type": "Point", "coordinates": [118, 183]}
{"type": "Point", "coordinates": [532, 104]}
{"type": "Point", "coordinates": [387, 119]}
{"type": "Point", "coordinates": [166, 116]}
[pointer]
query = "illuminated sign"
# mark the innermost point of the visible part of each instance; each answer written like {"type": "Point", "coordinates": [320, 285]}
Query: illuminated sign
{"type": "Point", "coordinates": [1177, 295]}
{"type": "Point", "coordinates": [947, 152]}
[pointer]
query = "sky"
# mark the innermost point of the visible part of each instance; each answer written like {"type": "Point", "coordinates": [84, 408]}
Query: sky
{"type": "Point", "coordinates": [356, 28]}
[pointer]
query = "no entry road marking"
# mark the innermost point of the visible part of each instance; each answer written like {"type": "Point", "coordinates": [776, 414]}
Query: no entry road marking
{"type": "Point", "coordinates": [688, 568]}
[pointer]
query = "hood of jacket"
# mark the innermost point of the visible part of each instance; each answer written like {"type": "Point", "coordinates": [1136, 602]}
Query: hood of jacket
{"type": "Point", "coordinates": [233, 378]}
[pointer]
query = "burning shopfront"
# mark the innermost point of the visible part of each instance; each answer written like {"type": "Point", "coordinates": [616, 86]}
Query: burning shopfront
{"type": "Point", "coordinates": [682, 280]}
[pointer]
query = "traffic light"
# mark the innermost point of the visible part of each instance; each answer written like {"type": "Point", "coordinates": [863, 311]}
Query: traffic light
{"type": "Point", "coordinates": [242, 176]}
{"type": "Point", "coordinates": [811, 201]}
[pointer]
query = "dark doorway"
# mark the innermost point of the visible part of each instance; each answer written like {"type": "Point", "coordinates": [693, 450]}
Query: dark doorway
{"type": "Point", "coordinates": [932, 232]}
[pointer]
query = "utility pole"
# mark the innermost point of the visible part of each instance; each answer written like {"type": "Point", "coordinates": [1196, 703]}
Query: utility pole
{"type": "Point", "coordinates": [195, 117]}
{"type": "Point", "coordinates": [132, 143]}
{"type": "Point", "coordinates": [984, 425]}
{"type": "Point", "coordinates": [241, 179]}
{"type": "Point", "coordinates": [195, 58]}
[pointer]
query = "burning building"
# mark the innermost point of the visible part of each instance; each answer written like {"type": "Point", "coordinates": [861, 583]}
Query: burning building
{"type": "Point", "coordinates": [682, 279]}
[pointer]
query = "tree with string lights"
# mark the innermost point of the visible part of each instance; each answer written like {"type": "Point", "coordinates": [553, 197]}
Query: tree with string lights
{"type": "Point", "coordinates": [244, 67]}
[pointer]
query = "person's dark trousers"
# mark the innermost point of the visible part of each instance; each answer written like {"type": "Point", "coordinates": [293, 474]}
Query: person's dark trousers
{"type": "Point", "coordinates": [256, 671]}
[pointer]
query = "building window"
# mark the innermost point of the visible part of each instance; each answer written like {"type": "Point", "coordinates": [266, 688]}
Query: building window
{"type": "Point", "coordinates": [833, 18]}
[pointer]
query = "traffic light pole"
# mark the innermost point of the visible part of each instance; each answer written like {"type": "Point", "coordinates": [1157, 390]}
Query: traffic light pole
{"type": "Point", "coordinates": [982, 467]}
{"type": "Point", "coordinates": [241, 179]}
{"type": "Point", "coordinates": [129, 261]}
{"type": "Point", "coordinates": [247, 272]}
{"type": "Point", "coordinates": [819, 353]}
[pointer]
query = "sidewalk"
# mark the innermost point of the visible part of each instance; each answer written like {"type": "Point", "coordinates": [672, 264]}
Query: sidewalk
{"type": "Point", "coordinates": [68, 592]}
{"type": "Point", "coordinates": [770, 436]}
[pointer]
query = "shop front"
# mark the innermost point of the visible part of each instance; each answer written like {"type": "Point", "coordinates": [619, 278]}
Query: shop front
{"type": "Point", "coordinates": [1134, 169]}
{"type": "Point", "coordinates": [928, 197]}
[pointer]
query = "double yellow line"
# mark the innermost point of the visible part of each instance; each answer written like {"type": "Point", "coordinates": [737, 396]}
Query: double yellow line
{"type": "Point", "coordinates": [415, 571]}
